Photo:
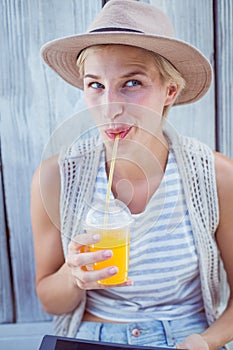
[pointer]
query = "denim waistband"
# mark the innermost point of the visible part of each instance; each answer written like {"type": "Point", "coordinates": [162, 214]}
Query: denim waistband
{"type": "Point", "coordinates": [166, 333]}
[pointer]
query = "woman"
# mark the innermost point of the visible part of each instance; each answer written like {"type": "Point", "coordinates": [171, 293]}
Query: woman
{"type": "Point", "coordinates": [177, 189]}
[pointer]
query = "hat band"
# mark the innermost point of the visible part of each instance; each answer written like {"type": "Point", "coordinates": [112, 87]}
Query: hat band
{"type": "Point", "coordinates": [115, 29]}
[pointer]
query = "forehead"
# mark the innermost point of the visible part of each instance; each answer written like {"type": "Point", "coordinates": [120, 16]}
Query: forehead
{"type": "Point", "coordinates": [121, 53]}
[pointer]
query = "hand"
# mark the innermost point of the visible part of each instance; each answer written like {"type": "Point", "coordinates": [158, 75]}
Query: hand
{"type": "Point", "coordinates": [193, 342]}
{"type": "Point", "coordinates": [81, 260]}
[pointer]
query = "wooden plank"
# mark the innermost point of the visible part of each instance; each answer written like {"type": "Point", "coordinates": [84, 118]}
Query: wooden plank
{"type": "Point", "coordinates": [224, 74]}
{"type": "Point", "coordinates": [34, 101]}
{"type": "Point", "coordinates": [6, 301]}
{"type": "Point", "coordinates": [24, 336]}
{"type": "Point", "coordinates": [193, 22]}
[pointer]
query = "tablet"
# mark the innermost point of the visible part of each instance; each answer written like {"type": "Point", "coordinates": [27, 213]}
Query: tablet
{"type": "Point", "coordinates": [51, 342]}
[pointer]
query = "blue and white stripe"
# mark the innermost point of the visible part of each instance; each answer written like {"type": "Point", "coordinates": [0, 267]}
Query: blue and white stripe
{"type": "Point", "coordinates": [163, 259]}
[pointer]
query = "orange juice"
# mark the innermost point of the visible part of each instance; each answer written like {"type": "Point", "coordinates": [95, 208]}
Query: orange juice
{"type": "Point", "coordinates": [118, 242]}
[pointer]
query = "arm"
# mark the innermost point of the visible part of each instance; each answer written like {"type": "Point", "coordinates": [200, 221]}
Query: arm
{"type": "Point", "coordinates": [54, 283]}
{"type": "Point", "coordinates": [59, 283]}
{"type": "Point", "coordinates": [221, 331]}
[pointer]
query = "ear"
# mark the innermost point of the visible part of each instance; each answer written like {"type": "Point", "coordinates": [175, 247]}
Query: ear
{"type": "Point", "coordinates": [172, 91]}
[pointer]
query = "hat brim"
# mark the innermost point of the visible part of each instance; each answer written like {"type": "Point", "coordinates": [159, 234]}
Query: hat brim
{"type": "Point", "coordinates": [61, 55]}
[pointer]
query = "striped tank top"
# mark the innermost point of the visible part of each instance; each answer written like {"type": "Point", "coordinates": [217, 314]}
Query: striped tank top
{"type": "Point", "coordinates": [163, 258]}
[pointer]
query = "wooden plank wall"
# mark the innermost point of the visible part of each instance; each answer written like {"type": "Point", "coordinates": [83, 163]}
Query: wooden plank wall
{"type": "Point", "coordinates": [193, 22]}
{"type": "Point", "coordinates": [208, 25]}
{"type": "Point", "coordinates": [34, 102]}
{"type": "Point", "coordinates": [224, 83]}
{"type": "Point", "coordinates": [6, 300]}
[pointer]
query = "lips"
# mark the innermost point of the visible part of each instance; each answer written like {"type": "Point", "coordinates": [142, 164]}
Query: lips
{"type": "Point", "coordinates": [121, 131]}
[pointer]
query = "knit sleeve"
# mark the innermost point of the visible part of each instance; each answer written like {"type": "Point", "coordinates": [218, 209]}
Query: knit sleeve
{"type": "Point", "coordinates": [197, 169]}
{"type": "Point", "coordinates": [78, 170]}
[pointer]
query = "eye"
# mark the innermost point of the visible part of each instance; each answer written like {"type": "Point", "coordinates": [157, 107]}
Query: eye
{"type": "Point", "coordinates": [96, 85]}
{"type": "Point", "coordinates": [133, 82]}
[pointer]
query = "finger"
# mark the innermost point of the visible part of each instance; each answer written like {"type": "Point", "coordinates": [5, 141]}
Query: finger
{"type": "Point", "coordinates": [86, 238]}
{"type": "Point", "coordinates": [88, 279]}
{"type": "Point", "coordinates": [82, 240]}
{"type": "Point", "coordinates": [88, 267]}
{"type": "Point", "coordinates": [124, 284]}
{"type": "Point", "coordinates": [88, 258]}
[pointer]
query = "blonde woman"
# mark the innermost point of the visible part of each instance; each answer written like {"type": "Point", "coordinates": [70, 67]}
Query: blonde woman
{"type": "Point", "coordinates": [179, 192]}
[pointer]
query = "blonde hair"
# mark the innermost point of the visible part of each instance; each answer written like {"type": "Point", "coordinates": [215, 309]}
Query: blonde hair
{"type": "Point", "coordinates": [168, 73]}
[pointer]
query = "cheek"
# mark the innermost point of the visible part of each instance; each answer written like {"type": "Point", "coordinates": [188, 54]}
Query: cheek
{"type": "Point", "coordinates": [156, 104]}
{"type": "Point", "coordinates": [88, 99]}
{"type": "Point", "coordinates": [97, 112]}
{"type": "Point", "coordinates": [94, 107]}
{"type": "Point", "coordinates": [148, 100]}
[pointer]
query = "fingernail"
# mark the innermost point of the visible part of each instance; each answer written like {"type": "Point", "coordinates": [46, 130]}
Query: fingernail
{"type": "Point", "coordinates": [107, 253]}
{"type": "Point", "coordinates": [129, 283]}
{"type": "Point", "coordinates": [113, 270]}
{"type": "Point", "coordinates": [96, 237]}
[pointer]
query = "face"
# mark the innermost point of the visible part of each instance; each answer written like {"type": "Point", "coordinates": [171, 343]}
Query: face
{"type": "Point", "coordinates": [124, 91]}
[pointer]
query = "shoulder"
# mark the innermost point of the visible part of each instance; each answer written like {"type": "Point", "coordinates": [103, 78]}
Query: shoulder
{"type": "Point", "coordinates": [45, 189]}
{"type": "Point", "coordinates": [224, 179]}
{"type": "Point", "coordinates": [224, 173]}
{"type": "Point", "coordinates": [190, 146]}
{"type": "Point", "coordinates": [187, 147]}
{"type": "Point", "coordinates": [224, 236]}
{"type": "Point", "coordinates": [82, 147]}
{"type": "Point", "coordinates": [47, 174]}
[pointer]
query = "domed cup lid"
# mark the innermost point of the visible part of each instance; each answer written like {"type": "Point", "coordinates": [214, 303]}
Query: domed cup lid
{"type": "Point", "coordinates": [113, 215]}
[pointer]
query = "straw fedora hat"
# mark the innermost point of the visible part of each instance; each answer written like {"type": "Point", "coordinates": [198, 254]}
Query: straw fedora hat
{"type": "Point", "coordinates": [129, 22]}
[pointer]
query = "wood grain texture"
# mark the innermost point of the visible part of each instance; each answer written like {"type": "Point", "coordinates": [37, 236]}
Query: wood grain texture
{"type": "Point", "coordinates": [193, 23]}
{"type": "Point", "coordinates": [6, 300]}
{"type": "Point", "coordinates": [33, 102]}
{"type": "Point", "coordinates": [224, 74]}
{"type": "Point", "coordinates": [36, 106]}
{"type": "Point", "coordinates": [23, 336]}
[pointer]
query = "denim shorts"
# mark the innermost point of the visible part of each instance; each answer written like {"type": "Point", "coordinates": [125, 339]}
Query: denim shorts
{"type": "Point", "coordinates": [151, 333]}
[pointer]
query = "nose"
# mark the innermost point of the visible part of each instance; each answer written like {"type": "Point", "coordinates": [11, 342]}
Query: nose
{"type": "Point", "coordinates": [112, 110]}
{"type": "Point", "coordinates": [113, 105]}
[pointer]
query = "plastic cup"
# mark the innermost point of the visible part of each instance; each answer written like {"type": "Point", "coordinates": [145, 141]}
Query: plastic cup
{"type": "Point", "coordinates": [114, 229]}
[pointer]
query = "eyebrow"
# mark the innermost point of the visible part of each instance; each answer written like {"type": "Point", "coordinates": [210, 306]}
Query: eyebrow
{"type": "Point", "coordinates": [128, 75]}
{"type": "Point", "coordinates": [92, 76]}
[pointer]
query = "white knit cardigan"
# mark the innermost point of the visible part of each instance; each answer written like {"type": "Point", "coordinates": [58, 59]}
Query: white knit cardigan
{"type": "Point", "coordinates": [195, 160]}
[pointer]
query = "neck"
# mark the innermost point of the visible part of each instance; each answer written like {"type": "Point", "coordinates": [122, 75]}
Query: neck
{"type": "Point", "coordinates": [138, 174]}
{"type": "Point", "coordinates": [140, 161]}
